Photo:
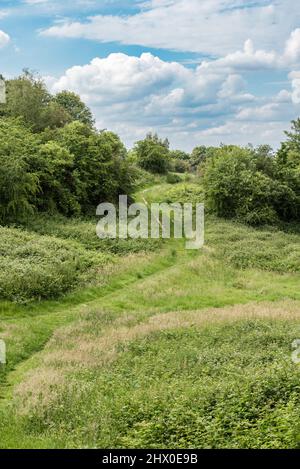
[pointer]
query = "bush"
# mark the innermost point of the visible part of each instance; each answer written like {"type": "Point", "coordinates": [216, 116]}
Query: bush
{"type": "Point", "coordinates": [52, 162]}
{"type": "Point", "coordinates": [173, 178]}
{"type": "Point", "coordinates": [180, 166]}
{"type": "Point", "coordinates": [34, 267]}
{"type": "Point", "coordinates": [153, 154]}
{"type": "Point", "coordinates": [57, 180]}
{"type": "Point", "coordinates": [100, 168]}
{"type": "Point", "coordinates": [18, 180]}
{"type": "Point", "coordinates": [82, 231]}
{"type": "Point", "coordinates": [142, 178]}
{"type": "Point", "coordinates": [243, 247]}
{"type": "Point", "coordinates": [236, 188]}
{"type": "Point", "coordinates": [186, 193]}
{"type": "Point", "coordinates": [254, 185]}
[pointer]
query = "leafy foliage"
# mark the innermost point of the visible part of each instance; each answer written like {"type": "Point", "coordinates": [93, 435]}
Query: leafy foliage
{"type": "Point", "coordinates": [57, 180]}
{"type": "Point", "coordinates": [252, 185]}
{"type": "Point", "coordinates": [27, 97]}
{"type": "Point", "coordinates": [19, 183]}
{"type": "Point", "coordinates": [34, 267]}
{"type": "Point", "coordinates": [153, 154]}
{"type": "Point", "coordinates": [52, 158]}
{"type": "Point", "coordinates": [199, 155]}
{"type": "Point", "coordinates": [100, 166]}
{"type": "Point", "coordinates": [76, 109]}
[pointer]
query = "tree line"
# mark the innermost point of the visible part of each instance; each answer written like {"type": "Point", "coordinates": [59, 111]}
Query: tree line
{"type": "Point", "coordinates": [53, 159]}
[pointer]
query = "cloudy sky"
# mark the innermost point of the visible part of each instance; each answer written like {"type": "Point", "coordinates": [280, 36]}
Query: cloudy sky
{"type": "Point", "coordinates": [197, 71]}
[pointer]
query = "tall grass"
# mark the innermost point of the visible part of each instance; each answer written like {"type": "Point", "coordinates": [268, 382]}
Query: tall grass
{"type": "Point", "coordinates": [177, 349]}
{"type": "Point", "coordinates": [181, 380]}
{"type": "Point", "coordinates": [35, 267]}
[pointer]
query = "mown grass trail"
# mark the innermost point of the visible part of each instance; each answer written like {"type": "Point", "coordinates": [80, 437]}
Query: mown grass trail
{"type": "Point", "coordinates": [177, 349]}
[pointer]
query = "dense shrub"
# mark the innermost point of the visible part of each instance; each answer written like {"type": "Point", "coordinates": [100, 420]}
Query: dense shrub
{"type": "Point", "coordinates": [244, 247]}
{"type": "Point", "coordinates": [249, 186]}
{"type": "Point", "coordinates": [200, 155]}
{"type": "Point", "coordinates": [143, 179]}
{"type": "Point", "coordinates": [186, 193]}
{"type": "Point", "coordinates": [153, 154]}
{"type": "Point", "coordinates": [28, 98]}
{"type": "Point", "coordinates": [52, 158]}
{"type": "Point", "coordinates": [19, 182]}
{"type": "Point", "coordinates": [100, 167]}
{"type": "Point", "coordinates": [180, 161]}
{"type": "Point", "coordinates": [34, 267]}
{"type": "Point", "coordinates": [173, 178]}
{"type": "Point", "coordinates": [69, 171]}
{"type": "Point", "coordinates": [57, 180]}
{"type": "Point", "coordinates": [288, 173]}
{"type": "Point", "coordinates": [83, 231]}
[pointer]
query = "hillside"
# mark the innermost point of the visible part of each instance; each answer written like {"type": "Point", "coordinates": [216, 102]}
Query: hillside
{"type": "Point", "coordinates": [150, 345]}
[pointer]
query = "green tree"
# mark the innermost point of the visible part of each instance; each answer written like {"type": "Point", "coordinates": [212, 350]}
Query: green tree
{"type": "Point", "coordinates": [199, 155]}
{"type": "Point", "coordinates": [294, 135]}
{"type": "Point", "coordinates": [27, 97]}
{"type": "Point", "coordinates": [57, 179]}
{"type": "Point", "coordinates": [75, 108]}
{"type": "Point", "coordinates": [179, 161]}
{"type": "Point", "coordinates": [179, 155]}
{"type": "Point", "coordinates": [19, 184]}
{"type": "Point", "coordinates": [264, 159]}
{"type": "Point", "coordinates": [288, 172]}
{"type": "Point", "coordinates": [108, 173]}
{"type": "Point", "coordinates": [235, 188]}
{"type": "Point", "coordinates": [100, 165]}
{"type": "Point", "coordinates": [153, 154]}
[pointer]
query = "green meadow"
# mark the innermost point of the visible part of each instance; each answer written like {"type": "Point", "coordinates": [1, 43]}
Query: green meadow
{"type": "Point", "coordinates": [149, 344]}
{"type": "Point", "coordinates": [142, 343]}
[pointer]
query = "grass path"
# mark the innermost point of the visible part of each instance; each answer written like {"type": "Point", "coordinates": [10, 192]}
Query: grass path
{"type": "Point", "coordinates": [28, 329]}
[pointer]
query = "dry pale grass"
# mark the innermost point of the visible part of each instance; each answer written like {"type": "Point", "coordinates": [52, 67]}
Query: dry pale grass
{"type": "Point", "coordinates": [73, 348]}
{"type": "Point", "coordinates": [283, 310]}
{"type": "Point", "coordinates": [8, 331]}
{"type": "Point", "coordinates": [40, 390]}
{"type": "Point", "coordinates": [118, 265]}
{"type": "Point", "coordinates": [133, 260]}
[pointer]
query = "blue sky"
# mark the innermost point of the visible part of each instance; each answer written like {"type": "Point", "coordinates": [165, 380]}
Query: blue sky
{"type": "Point", "coordinates": [197, 71]}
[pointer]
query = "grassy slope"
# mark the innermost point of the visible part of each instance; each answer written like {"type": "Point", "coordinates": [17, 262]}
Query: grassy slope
{"type": "Point", "coordinates": [146, 360]}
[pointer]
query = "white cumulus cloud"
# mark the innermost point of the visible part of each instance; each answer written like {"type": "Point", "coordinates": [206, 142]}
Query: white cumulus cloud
{"type": "Point", "coordinates": [4, 39]}
{"type": "Point", "coordinates": [292, 50]}
{"type": "Point", "coordinates": [213, 27]}
{"type": "Point", "coordinates": [134, 95]}
{"type": "Point", "coordinates": [295, 79]}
